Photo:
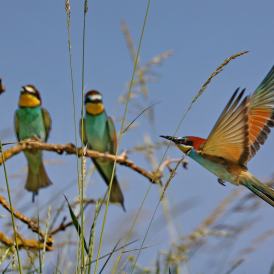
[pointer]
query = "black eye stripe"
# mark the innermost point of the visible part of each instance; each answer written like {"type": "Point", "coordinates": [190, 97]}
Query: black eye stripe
{"type": "Point", "coordinates": [93, 101]}
{"type": "Point", "coordinates": [186, 142]}
{"type": "Point", "coordinates": [189, 143]}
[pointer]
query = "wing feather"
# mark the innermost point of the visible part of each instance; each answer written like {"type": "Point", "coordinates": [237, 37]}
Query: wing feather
{"type": "Point", "coordinates": [16, 126]}
{"type": "Point", "coordinates": [113, 136]}
{"type": "Point", "coordinates": [47, 122]}
{"type": "Point", "coordinates": [228, 138]}
{"type": "Point", "coordinates": [261, 113]}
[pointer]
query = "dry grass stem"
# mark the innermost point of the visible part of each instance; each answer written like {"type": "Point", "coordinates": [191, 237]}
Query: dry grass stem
{"type": "Point", "coordinates": [217, 71]}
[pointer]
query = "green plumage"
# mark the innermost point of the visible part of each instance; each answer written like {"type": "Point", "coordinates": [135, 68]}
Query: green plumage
{"type": "Point", "coordinates": [263, 191]}
{"type": "Point", "coordinates": [34, 122]}
{"type": "Point", "coordinates": [241, 129]}
{"type": "Point", "coordinates": [251, 182]}
{"type": "Point", "coordinates": [100, 135]}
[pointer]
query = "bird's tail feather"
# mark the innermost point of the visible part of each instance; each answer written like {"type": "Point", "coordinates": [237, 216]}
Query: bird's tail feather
{"type": "Point", "coordinates": [37, 180]}
{"type": "Point", "coordinates": [116, 194]}
{"type": "Point", "coordinates": [264, 191]}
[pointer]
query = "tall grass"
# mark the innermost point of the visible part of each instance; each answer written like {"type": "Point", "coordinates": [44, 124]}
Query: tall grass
{"type": "Point", "coordinates": [122, 127]}
{"type": "Point", "coordinates": [89, 252]}
{"type": "Point", "coordinates": [11, 211]}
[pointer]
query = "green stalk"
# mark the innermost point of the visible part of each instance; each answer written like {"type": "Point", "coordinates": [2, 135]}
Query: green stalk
{"type": "Point", "coordinates": [121, 131]}
{"type": "Point", "coordinates": [154, 213]}
{"type": "Point", "coordinates": [98, 206]}
{"type": "Point", "coordinates": [128, 235]}
{"type": "Point", "coordinates": [11, 209]}
{"type": "Point", "coordinates": [39, 251]}
{"type": "Point", "coordinates": [194, 99]}
{"type": "Point", "coordinates": [68, 13]}
{"type": "Point", "coordinates": [82, 140]}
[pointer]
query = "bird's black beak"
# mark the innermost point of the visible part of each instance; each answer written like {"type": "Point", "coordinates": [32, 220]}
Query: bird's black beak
{"type": "Point", "coordinates": [170, 138]}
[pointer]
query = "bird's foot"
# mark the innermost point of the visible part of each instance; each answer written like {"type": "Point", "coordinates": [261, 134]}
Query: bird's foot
{"type": "Point", "coordinates": [35, 193]}
{"type": "Point", "coordinates": [185, 163]}
{"type": "Point", "coordinates": [124, 155]}
{"type": "Point", "coordinates": [221, 182]}
{"type": "Point", "coordinates": [36, 138]}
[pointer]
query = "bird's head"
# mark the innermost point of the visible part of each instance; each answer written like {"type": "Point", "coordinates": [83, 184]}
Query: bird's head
{"type": "Point", "coordinates": [29, 97]}
{"type": "Point", "coordinates": [185, 144]}
{"type": "Point", "coordinates": [94, 102]}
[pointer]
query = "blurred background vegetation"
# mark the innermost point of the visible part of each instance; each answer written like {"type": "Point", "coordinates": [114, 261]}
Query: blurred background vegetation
{"type": "Point", "coordinates": [193, 229]}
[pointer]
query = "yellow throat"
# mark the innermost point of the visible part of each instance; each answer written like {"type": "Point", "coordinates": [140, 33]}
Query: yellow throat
{"type": "Point", "coordinates": [28, 100]}
{"type": "Point", "coordinates": [94, 108]}
{"type": "Point", "coordinates": [185, 149]}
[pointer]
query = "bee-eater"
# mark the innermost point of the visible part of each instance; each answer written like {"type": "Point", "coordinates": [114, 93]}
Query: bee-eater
{"type": "Point", "coordinates": [33, 121]}
{"type": "Point", "coordinates": [99, 134]}
{"type": "Point", "coordinates": [2, 87]}
{"type": "Point", "coordinates": [241, 129]}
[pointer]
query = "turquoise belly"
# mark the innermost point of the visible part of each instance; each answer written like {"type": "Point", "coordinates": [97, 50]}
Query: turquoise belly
{"type": "Point", "coordinates": [96, 132]}
{"type": "Point", "coordinates": [30, 123]}
{"type": "Point", "coordinates": [218, 169]}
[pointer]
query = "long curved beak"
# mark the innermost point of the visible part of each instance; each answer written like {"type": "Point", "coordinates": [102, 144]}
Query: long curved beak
{"type": "Point", "coordinates": [170, 138]}
{"type": "Point", "coordinates": [178, 142]}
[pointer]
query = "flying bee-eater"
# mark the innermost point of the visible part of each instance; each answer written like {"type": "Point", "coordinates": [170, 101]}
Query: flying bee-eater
{"type": "Point", "coordinates": [99, 134]}
{"type": "Point", "coordinates": [241, 129]}
{"type": "Point", "coordinates": [33, 121]}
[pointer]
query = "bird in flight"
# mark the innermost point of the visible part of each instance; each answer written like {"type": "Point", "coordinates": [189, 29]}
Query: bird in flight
{"type": "Point", "coordinates": [241, 129]}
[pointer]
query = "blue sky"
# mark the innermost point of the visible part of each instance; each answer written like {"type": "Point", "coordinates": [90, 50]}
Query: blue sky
{"type": "Point", "coordinates": [33, 49]}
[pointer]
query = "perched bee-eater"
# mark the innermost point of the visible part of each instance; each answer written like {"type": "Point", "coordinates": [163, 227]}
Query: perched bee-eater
{"type": "Point", "coordinates": [241, 129]}
{"type": "Point", "coordinates": [99, 134]}
{"type": "Point", "coordinates": [2, 87]}
{"type": "Point", "coordinates": [33, 121]}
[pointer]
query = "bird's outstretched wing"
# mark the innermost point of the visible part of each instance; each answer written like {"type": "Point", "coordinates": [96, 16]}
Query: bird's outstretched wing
{"type": "Point", "coordinates": [47, 122]}
{"type": "Point", "coordinates": [228, 139]}
{"type": "Point", "coordinates": [261, 113]}
{"type": "Point", "coordinates": [113, 136]}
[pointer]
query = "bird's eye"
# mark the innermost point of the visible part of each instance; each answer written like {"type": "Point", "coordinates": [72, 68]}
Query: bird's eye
{"type": "Point", "coordinates": [189, 143]}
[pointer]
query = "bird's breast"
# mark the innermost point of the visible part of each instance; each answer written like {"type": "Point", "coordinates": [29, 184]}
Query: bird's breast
{"type": "Point", "coordinates": [97, 132]}
{"type": "Point", "coordinates": [223, 170]}
{"type": "Point", "coordinates": [31, 123]}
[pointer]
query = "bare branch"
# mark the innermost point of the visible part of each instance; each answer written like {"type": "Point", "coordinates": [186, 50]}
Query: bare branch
{"type": "Point", "coordinates": [31, 224]}
{"type": "Point", "coordinates": [153, 177]}
{"type": "Point", "coordinates": [24, 243]}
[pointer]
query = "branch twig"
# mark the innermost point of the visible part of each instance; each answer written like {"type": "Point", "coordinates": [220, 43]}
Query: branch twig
{"type": "Point", "coordinates": [153, 177]}
{"type": "Point", "coordinates": [23, 243]}
{"type": "Point", "coordinates": [31, 224]}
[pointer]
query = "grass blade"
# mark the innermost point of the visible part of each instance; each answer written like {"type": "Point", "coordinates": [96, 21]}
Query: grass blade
{"type": "Point", "coordinates": [140, 114]}
{"type": "Point", "coordinates": [109, 256]}
{"type": "Point", "coordinates": [76, 224]}
{"type": "Point", "coordinates": [122, 127]}
{"type": "Point", "coordinates": [11, 207]}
